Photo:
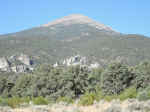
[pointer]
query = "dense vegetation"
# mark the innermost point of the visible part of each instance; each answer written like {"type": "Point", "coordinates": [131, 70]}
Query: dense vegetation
{"type": "Point", "coordinates": [47, 83]}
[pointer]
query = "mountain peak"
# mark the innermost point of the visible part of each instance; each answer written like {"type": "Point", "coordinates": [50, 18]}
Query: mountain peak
{"type": "Point", "coordinates": [75, 16]}
{"type": "Point", "coordinates": [71, 19]}
{"type": "Point", "coordinates": [79, 19]}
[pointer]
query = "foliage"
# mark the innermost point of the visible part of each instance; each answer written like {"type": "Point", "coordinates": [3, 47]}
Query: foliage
{"type": "Point", "coordinates": [142, 72]}
{"type": "Point", "coordinates": [110, 97]}
{"type": "Point", "coordinates": [128, 93]}
{"type": "Point", "coordinates": [56, 82]}
{"type": "Point", "coordinates": [7, 82]}
{"type": "Point", "coordinates": [48, 84]}
{"type": "Point", "coordinates": [116, 78]}
{"type": "Point", "coordinates": [94, 79]}
{"type": "Point", "coordinates": [14, 101]}
{"type": "Point", "coordinates": [76, 81]}
{"type": "Point", "coordinates": [65, 99]}
{"type": "Point", "coordinates": [22, 86]}
{"type": "Point", "coordinates": [87, 99]}
{"type": "Point", "coordinates": [144, 94]}
{"type": "Point", "coordinates": [40, 101]}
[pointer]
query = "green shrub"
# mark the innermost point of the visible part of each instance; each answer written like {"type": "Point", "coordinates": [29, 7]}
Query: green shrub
{"type": "Point", "coordinates": [110, 97]}
{"type": "Point", "coordinates": [50, 99]}
{"type": "Point", "coordinates": [26, 99]}
{"type": "Point", "coordinates": [65, 99]}
{"type": "Point", "coordinates": [22, 86]}
{"type": "Point", "coordinates": [40, 101]}
{"type": "Point", "coordinates": [15, 101]}
{"type": "Point", "coordinates": [87, 99]}
{"type": "Point", "coordinates": [128, 93]}
{"type": "Point", "coordinates": [99, 94]}
{"type": "Point", "coordinates": [142, 72]}
{"type": "Point", "coordinates": [144, 94]}
{"type": "Point", "coordinates": [3, 102]}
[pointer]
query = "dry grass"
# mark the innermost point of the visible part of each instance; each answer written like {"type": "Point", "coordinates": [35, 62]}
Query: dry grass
{"type": "Point", "coordinates": [101, 106]}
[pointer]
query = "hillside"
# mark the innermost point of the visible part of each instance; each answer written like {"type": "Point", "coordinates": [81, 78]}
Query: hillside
{"type": "Point", "coordinates": [76, 34]}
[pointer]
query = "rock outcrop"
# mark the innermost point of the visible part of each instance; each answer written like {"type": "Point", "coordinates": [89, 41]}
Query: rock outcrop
{"type": "Point", "coordinates": [17, 64]}
{"type": "Point", "coordinates": [4, 64]}
{"type": "Point", "coordinates": [77, 60]}
{"type": "Point", "coordinates": [25, 59]}
{"type": "Point", "coordinates": [94, 65]}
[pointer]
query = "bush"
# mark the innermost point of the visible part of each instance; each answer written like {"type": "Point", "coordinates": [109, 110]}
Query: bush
{"type": "Point", "coordinates": [144, 95]}
{"type": "Point", "coordinates": [40, 101]}
{"type": "Point", "coordinates": [94, 79]}
{"type": "Point", "coordinates": [3, 102]}
{"type": "Point", "coordinates": [110, 97]}
{"type": "Point", "coordinates": [46, 83]}
{"type": "Point", "coordinates": [142, 72]}
{"type": "Point", "coordinates": [22, 86]}
{"type": "Point", "coordinates": [116, 78]}
{"type": "Point", "coordinates": [89, 98]}
{"type": "Point", "coordinates": [14, 101]}
{"type": "Point", "coordinates": [128, 93]}
{"type": "Point", "coordinates": [65, 99]}
{"type": "Point", "coordinates": [99, 94]}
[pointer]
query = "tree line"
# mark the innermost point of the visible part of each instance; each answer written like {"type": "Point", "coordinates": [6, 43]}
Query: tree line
{"type": "Point", "coordinates": [74, 81]}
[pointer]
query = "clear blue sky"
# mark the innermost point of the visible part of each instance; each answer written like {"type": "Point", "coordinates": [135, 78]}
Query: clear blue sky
{"type": "Point", "coordinates": [125, 16]}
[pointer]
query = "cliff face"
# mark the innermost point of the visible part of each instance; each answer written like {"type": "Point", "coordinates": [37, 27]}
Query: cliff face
{"type": "Point", "coordinates": [21, 63]}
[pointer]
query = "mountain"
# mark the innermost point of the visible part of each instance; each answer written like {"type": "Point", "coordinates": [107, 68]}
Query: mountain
{"type": "Point", "coordinates": [79, 19]}
{"type": "Point", "coordinates": [76, 34]}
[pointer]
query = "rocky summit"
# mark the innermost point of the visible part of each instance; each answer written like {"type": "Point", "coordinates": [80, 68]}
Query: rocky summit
{"type": "Point", "coordinates": [79, 19]}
